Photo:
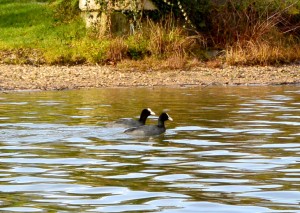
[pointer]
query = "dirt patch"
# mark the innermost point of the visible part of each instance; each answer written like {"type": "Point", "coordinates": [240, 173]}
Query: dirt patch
{"type": "Point", "coordinates": [25, 77]}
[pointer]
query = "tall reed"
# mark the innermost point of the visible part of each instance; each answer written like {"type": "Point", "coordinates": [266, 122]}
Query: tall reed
{"type": "Point", "coordinates": [168, 39]}
{"type": "Point", "coordinates": [262, 53]}
{"type": "Point", "coordinates": [243, 21]}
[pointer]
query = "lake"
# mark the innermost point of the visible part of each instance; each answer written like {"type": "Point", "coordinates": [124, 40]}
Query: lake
{"type": "Point", "coordinates": [229, 149]}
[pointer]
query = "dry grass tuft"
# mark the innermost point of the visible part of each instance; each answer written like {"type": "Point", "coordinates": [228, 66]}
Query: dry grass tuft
{"type": "Point", "coordinates": [262, 53]}
{"type": "Point", "coordinates": [117, 50]}
{"type": "Point", "coordinates": [146, 64]}
{"type": "Point", "coordinates": [175, 61]}
{"type": "Point", "coordinates": [165, 39]}
{"type": "Point", "coordinates": [214, 63]}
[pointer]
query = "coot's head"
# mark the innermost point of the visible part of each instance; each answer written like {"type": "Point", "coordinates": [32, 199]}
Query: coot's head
{"type": "Point", "coordinates": [147, 112]}
{"type": "Point", "coordinates": [144, 115]}
{"type": "Point", "coordinates": [165, 117]}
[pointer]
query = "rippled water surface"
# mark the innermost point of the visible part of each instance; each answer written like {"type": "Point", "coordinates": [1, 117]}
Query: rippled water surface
{"type": "Point", "coordinates": [229, 150]}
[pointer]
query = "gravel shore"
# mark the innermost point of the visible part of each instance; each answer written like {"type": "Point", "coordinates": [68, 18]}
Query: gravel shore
{"type": "Point", "coordinates": [26, 77]}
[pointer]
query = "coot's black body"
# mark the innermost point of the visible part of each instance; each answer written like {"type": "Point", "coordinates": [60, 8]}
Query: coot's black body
{"type": "Point", "coordinates": [151, 130]}
{"type": "Point", "coordinates": [127, 123]}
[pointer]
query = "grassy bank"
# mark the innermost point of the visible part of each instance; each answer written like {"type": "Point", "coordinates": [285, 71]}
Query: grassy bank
{"type": "Point", "coordinates": [31, 33]}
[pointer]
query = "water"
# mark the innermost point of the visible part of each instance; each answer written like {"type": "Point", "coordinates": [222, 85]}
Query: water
{"type": "Point", "coordinates": [231, 150]}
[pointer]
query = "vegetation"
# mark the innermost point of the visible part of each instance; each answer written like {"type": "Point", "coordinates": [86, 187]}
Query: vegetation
{"type": "Point", "coordinates": [187, 32]}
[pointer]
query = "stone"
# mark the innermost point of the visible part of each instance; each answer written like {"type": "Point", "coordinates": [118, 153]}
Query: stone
{"type": "Point", "coordinates": [97, 17]}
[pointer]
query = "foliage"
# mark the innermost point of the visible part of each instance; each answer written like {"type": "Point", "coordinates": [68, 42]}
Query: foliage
{"type": "Point", "coordinates": [253, 32]}
{"type": "Point", "coordinates": [137, 46]}
{"type": "Point", "coordinates": [250, 20]}
{"type": "Point", "coordinates": [191, 12]}
{"type": "Point", "coordinates": [65, 10]}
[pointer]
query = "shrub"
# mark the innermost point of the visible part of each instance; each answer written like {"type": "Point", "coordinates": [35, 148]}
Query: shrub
{"type": "Point", "coordinates": [65, 10]}
{"type": "Point", "coordinates": [137, 46]}
{"type": "Point", "coordinates": [117, 50]}
{"type": "Point", "coordinates": [166, 39]}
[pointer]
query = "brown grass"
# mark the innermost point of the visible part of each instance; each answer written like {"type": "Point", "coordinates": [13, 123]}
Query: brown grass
{"type": "Point", "coordinates": [166, 39]}
{"type": "Point", "coordinates": [234, 22]}
{"type": "Point", "coordinates": [117, 50]}
{"type": "Point", "coordinates": [174, 62]}
{"type": "Point", "coordinates": [146, 64]}
{"type": "Point", "coordinates": [214, 63]}
{"type": "Point", "coordinates": [262, 53]}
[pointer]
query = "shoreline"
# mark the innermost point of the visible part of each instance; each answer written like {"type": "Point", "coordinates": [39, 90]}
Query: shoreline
{"type": "Point", "coordinates": [29, 77]}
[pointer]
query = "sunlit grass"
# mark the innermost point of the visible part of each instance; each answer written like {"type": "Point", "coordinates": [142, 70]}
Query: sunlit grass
{"type": "Point", "coordinates": [22, 24]}
{"type": "Point", "coordinates": [31, 25]}
{"type": "Point", "coordinates": [262, 53]}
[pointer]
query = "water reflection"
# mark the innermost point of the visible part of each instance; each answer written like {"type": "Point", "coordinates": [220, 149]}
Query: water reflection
{"type": "Point", "coordinates": [228, 150]}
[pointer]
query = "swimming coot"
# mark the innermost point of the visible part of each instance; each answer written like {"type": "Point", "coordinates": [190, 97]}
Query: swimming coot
{"type": "Point", "coordinates": [125, 122]}
{"type": "Point", "coordinates": [149, 130]}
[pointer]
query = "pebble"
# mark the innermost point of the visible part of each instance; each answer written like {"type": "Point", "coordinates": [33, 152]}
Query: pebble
{"type": "Point", "coordinates": [23, 77]}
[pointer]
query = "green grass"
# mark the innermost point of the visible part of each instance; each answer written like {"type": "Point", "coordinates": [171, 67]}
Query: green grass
{"type": "Point", "coordinates": [23, 24]}
{"type": "Point", "coordinates": [31, 25]}
{"type": "Point", "coordinates": [30, 29]}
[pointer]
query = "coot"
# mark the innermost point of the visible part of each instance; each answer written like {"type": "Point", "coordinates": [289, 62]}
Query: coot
{"type": "Point", "coordinates": [125, 122]}
{"type": "Point", "coordinates": [150, 130]}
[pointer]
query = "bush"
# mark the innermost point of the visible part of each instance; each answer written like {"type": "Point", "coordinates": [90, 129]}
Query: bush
{"type": "Point", "coordinates": [66, 10]}
{"type": "Point", "coordinates": [225, 22]}
{"type": "Point", "coordinates": [137, 46]}
{"type": "Point", "coordinates": [243, 21]}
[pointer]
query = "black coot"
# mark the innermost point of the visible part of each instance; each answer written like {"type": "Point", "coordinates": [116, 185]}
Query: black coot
{"type": "Point", "coordinates": [150, 130]}
{"type": "Point", "coordinates": [132, 122]}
